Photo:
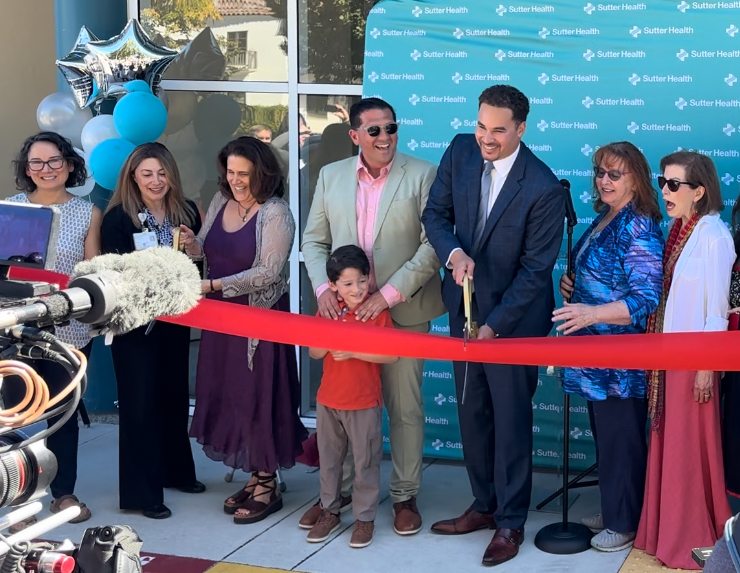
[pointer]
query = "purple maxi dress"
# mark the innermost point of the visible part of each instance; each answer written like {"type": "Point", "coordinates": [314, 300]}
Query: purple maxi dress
{"type": "Point", "coordinates": [247, 419]}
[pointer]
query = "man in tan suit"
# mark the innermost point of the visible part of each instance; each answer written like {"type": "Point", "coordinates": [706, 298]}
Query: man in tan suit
{"type": "Point", "coordinates": [375, 201]}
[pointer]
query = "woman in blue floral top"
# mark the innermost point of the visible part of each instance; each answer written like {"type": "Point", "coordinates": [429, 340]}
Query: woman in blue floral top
{"type": "Point", "coordinates": [618, 268]}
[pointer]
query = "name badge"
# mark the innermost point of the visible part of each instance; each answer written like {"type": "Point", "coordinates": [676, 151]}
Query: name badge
{"type": "Point", "coordinates": [145, 240]}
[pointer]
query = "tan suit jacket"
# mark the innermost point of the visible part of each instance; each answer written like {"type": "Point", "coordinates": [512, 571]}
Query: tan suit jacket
{"type": "Point", "coordinates": [402, 255]}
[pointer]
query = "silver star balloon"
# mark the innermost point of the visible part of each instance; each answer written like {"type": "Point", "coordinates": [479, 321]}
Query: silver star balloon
{"type": "Point", "coordinates": [98, 69]}
{"type": "Point", "coordinates": [74, 68]}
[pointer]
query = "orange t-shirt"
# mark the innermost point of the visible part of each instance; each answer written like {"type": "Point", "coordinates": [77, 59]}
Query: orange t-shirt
{"type": "Point", "coordinates": [352, 384]}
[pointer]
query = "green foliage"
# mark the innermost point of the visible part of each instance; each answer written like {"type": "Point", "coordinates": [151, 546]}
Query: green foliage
{"type": "Point", "coordinates": [269, 115]}
{"type": "Point", "coordinates": [180, 15]}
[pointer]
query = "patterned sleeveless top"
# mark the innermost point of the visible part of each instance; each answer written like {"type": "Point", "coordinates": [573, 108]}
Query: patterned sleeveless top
{"type": "Point", "coordinates": [73, 226]}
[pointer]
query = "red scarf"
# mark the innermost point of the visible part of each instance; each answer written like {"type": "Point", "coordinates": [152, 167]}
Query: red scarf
{"type": "Point", "coordinates": [677, 238]}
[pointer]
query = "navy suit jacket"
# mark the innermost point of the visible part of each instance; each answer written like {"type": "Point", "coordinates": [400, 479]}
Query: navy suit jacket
{"type": "Point", "coordinates": [520, 244]}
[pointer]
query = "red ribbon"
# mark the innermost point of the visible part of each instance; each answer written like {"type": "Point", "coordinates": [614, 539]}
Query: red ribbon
{"type": "Point", "coordinates": [718, 351]}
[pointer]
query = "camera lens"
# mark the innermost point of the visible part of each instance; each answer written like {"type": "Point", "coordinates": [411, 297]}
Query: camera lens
{"type": "Point", "coordinates": [25, 473]}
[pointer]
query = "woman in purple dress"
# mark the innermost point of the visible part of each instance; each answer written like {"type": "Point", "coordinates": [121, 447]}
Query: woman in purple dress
{"type": "Point", "coordinates": [247, 391]}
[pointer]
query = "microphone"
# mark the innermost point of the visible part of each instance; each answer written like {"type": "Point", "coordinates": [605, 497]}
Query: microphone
{"type": "Point", "coordinates": [116, 293]}
{"type": "Point", "coordinates": [570, 211]}
{"type": "Point", "coordinates": [148, 284]}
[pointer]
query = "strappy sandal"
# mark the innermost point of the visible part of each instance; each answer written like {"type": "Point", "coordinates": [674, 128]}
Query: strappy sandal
{"type": "Point", "coordinates": [240, 496]}
{"type": "Point", "coordinates": [56, 507]}
{"type": "Point", "coordinates": [259, 510]}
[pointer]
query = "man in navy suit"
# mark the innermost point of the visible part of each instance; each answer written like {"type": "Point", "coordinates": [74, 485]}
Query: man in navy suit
{"type": "Point", "coordinates": [495, 213]}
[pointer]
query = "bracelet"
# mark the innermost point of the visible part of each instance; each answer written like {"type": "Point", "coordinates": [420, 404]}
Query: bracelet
{"type": "Point", "coordinates": [212, 289]}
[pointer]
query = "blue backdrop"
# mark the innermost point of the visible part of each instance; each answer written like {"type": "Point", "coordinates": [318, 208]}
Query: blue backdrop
{"type": "Point", "coordinates": [661, 74]}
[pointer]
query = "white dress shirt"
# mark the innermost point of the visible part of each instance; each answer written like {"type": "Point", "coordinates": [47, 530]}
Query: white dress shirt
{"type": "Point", "coordinates": [501, 169]}
{"type": "Point", "coordinates": [700, 292]}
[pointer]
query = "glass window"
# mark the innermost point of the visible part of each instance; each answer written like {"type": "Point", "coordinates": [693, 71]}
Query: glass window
{"type": "Point", "coordinates": [331, 40]}
{"type": "Point", "coordinates": [236, 40]}
{"type": "Point", "coordinates": [324, 139]}
{"type": "Point", "coordinates": [200, 123]}
{"type": "Point", "coordinates": [310, 370]}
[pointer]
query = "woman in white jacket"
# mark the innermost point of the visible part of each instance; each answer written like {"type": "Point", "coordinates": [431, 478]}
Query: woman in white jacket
{"type": "Point", "coordinates": [685, 503]}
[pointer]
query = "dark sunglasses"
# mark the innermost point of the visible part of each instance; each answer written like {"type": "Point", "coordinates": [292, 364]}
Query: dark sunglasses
{"type": "Point", "coordinates": [374, 130]}
{"type": "Point", "coordinates": [673, 184]}
{"type": "Point", "coordinates": [614, 174]}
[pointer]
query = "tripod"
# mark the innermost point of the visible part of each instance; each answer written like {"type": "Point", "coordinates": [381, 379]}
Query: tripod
{"type": "Point", "coordinates": [565, 538]}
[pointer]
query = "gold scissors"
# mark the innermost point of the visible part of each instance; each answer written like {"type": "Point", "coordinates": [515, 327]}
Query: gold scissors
{"type": "Point", "coordinates": [470, 330]}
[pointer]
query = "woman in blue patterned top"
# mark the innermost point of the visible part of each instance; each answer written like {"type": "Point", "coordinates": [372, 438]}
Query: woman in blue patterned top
{"type": "Point", "coordinates": [618, 272]}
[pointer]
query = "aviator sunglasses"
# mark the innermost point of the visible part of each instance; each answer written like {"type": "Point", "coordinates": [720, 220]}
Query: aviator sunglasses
{"type": "Point", "coordinates": [673, 184]}
{"type": "Point", "coordinates": [374, 130]}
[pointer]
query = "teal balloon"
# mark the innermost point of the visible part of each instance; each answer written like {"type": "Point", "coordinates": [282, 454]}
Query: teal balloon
{"type": "Point", "coordinates": [107, 159]}
{"type": "Point", "coordinates": [137, 86]}
{"type": "Point", "coordinates": [140, 117]}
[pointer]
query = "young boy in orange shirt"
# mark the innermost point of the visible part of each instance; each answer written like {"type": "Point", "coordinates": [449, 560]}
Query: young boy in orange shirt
{"type": "Point", "coordinates": [349, 409]}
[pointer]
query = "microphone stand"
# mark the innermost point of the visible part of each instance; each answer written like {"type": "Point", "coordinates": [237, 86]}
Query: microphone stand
{"type": "Point", "coordinates": [565, 538]}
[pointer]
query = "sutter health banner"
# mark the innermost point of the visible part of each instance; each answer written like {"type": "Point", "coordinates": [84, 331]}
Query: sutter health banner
{"type": "Point", "coordinates": [661, 74]}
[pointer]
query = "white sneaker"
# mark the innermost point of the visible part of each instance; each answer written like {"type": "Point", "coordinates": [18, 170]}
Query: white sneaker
{"type": "Point", "coordinates": [610, 541]}
{"type": "Point", "coordinates": [594, 523]}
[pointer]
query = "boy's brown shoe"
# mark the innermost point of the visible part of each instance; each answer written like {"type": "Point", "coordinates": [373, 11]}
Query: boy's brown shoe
{"type": "Point", "coordinates": [327, 524]}
{"type": "Point", "coordinates": [362, 536]}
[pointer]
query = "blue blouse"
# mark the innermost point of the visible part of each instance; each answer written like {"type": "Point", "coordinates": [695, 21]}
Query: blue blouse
{"type": "Point", "coordinates": [623, 262]}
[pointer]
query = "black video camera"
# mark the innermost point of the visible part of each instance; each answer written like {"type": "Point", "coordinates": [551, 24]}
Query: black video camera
{"type": "Point", "coordinates": [29, 312]}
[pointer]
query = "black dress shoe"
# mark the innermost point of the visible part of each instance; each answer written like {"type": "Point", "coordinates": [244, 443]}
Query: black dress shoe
{"type": "Point", "coordinates": [195, 487]}
{"type": "Point", "coordinates": [159, 511]}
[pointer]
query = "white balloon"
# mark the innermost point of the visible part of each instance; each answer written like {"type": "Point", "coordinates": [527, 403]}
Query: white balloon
{"type": "Point", "coordinates": [58, 112]}
{"type": "Point", "coordinates": [89, 184]}
{"type": "Point", "coordinates": [97, 130]}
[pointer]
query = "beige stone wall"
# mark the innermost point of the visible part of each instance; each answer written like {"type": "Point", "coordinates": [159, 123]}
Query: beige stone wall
{"type": "Point", "coordinates": [27, 75]}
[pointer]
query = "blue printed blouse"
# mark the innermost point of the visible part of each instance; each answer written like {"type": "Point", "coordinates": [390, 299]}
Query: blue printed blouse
{"type": "Point", "coordinates": [623, 262]}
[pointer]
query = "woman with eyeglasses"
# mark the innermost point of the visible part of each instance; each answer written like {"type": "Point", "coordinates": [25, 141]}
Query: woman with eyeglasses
{"type": "Point", "coordinates": [615, 287]}
{"type": "Point", "coordinates": [46, 166]}
{"type": "Point", "coordinates": [685, 502]}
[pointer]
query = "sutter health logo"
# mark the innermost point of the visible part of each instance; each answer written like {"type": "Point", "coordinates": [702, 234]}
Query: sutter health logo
{"type": "Point", "coordinates": [480, 32]}
{"type": "Point", "coordinates": [623, 7]}
{"type": "Point", "coordinates": [543, 78]}
{"type": "Point", "coordinates": [575, 125]}
{"type": "Point", "coordinates": [589, 54]}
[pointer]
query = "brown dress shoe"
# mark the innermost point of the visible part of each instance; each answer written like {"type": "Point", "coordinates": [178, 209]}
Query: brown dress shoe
{"type": "Point", "coordinates": [407, 519]}
{"type": "Point", "coordinates": [468, 522]}
{"type": "Point", "coordinates": [327, 524]}
{"type": "Point", "coordinates": [362, 536]}
{"type": "Point", "coordinates": [309, 519]}
{"type": "Point", "coordinates": [504, 546]}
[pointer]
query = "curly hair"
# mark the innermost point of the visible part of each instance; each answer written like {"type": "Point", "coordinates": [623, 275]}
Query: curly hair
{"type": "Point", "coordinates": [507, 97]}
{"type": "Point", "coordinates": [77, 176]}
{"type": "Point", "coordinates": [265, 182]}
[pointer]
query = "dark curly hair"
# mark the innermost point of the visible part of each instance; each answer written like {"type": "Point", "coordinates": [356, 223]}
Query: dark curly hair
{"type": "Point", "coordinates": [507, 97]}
{"type": "Point", "coordinates": [77, 176]}
{"type": "Point", "coordinates": [265, 182]}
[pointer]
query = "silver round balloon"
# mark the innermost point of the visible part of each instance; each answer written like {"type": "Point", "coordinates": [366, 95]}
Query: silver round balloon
{"type": "Point", "coordinates": [58, 112]}
{"type": "Point", "coordinates": [97, 130]}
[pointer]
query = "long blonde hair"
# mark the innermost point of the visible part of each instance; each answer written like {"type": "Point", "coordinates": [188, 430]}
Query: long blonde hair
{"type": "Point", "coordinates": [128, 195]}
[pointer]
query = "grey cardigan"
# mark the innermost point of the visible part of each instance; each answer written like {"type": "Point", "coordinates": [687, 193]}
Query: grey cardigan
{"type": "Point", "coordinates": [267, 280]}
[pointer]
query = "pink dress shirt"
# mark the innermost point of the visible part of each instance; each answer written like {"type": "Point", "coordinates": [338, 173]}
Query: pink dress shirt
{"type": "Point", "coordinates": [369, 192]}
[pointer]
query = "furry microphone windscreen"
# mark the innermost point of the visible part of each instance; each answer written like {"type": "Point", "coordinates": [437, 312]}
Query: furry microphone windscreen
{"type": "Point", "coordinates": [154, 282]}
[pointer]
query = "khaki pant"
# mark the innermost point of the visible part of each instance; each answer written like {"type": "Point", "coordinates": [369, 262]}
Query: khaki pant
{"type": "Point", "coordinates": [335, 431]}
{"type": "Point", "coordinates": [405, 404]}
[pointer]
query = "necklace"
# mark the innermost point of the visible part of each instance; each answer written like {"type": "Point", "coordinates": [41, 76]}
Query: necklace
{"type": "Point", "coordinates": [246, 212]}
